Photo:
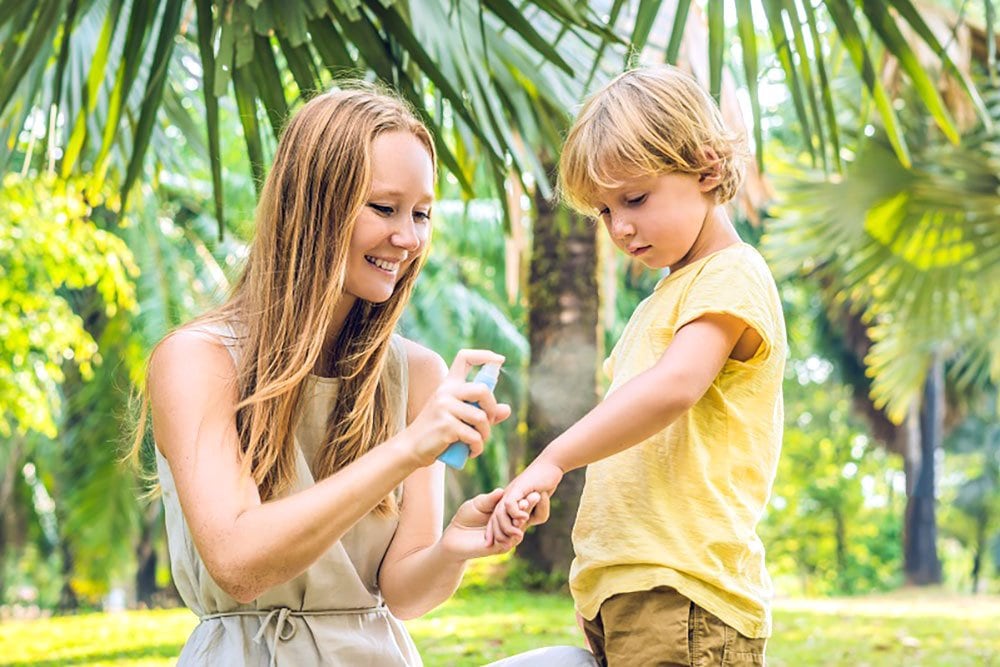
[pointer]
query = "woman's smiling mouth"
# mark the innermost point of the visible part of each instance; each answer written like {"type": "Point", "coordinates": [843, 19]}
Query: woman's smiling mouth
{"type": "Point", "coordinates": [388, 266]}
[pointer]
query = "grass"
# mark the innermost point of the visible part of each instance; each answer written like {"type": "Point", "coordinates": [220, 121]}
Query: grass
{"type": "Point", "coordinates": [911, 628]}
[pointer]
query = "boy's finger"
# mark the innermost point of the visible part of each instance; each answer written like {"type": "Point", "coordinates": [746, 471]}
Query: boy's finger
{"type": "Point", "coordinates": [530, 501]}
{"type": "Point", "coordinates": [505, 524]}
{"type": "Point", "coordinates": [513, 508]}
{"type": "Point", "coordinates": [509, 541]}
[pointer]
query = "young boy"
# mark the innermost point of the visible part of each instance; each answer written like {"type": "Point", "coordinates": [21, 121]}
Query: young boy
{"type": "Point", "coordinates": [682, 452]}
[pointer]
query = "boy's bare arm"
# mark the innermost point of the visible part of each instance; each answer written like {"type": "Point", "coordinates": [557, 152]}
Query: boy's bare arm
{"type": "Point", "coordinates": [652, 400]}
{"type": "Point", "coordinates": [640, 408]}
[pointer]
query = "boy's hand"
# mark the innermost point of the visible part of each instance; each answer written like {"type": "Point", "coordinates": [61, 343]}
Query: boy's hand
{"type": "Point", "coordinates": [464, 538]}
{"type": "Point", "coordinates": [512, 515]}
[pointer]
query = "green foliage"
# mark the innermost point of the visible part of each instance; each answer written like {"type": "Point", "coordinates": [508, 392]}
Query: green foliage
{"type": "Point", "coordinates": [460, 301]}
{"type": "Point", "coordinates": [116, 67]}
{"type": "Point", "coordinates": [48, 246]}
{"type": "Point", "coordinates": [32, 577]}
{"type": "Point", "coordinates": [970, 492]}
{"type": "Point", "coordinates": [834, 522]}
{"type": "Point", "coordinates": [909, 248]}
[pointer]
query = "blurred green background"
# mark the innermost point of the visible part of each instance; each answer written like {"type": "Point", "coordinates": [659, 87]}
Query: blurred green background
{"type": "Point", "coordinates": [135, 136]}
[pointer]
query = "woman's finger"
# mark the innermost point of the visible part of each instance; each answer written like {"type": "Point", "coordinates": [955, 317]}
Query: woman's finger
{"type": "Point", "coordinates": [465, 360]}
{"type": "Point", "coordinates": [485, 503]}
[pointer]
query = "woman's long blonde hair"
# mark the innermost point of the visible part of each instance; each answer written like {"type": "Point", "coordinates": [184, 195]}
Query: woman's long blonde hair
{"type": "Point", "coordinates": [281, 307]}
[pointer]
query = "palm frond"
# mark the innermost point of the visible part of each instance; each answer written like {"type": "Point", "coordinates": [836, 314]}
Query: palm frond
{"type": "Point", "coordinates": [917, 250]}
{"type": "Point", "coordinates": [246, 47]}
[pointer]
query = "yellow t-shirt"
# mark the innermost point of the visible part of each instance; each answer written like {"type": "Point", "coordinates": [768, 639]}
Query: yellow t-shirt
{"type": "Point", "coordinates": [681, 508]}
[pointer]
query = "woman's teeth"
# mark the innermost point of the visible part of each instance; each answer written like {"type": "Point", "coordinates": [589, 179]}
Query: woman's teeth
{"type": "Point", "coordinates": [382, 264]}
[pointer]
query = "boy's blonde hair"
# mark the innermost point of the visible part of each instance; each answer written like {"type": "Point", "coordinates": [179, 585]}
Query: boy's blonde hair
{"type": "Point", "coordinates": [651, 120]}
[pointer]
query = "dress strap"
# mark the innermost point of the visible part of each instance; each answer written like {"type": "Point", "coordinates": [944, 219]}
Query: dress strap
{"type": "Point", "coordinates": [284, 629]}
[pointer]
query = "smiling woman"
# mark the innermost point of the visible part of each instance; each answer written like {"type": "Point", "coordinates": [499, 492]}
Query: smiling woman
{"type": "Point", "coordinates": [297, 435]}
{"type": "Point", "coordinates": [394, 226]}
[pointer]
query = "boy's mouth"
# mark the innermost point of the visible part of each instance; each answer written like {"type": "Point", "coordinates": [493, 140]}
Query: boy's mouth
{"type": "Point", "coordinates": [635, 251]}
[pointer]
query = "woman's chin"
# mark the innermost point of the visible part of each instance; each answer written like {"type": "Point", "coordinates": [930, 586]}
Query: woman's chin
{"type": "Point", "coordinates": [377, 297]}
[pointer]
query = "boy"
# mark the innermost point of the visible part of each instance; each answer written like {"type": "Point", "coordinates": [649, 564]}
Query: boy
{"type": "Point", "coordinates": [683, 450]}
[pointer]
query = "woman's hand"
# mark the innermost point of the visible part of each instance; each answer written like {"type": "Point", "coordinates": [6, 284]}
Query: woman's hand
{"type": "Point", "coordinates": [465, 536]}
{"type": "Point", "coordinates": [448, 415]}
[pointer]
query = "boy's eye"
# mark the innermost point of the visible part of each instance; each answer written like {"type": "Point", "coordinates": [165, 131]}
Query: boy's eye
{"type": "Point", "coordinates": [378, 208]}
{"type": "Point", "coordinates": [636, 200]}
{"type": "Point", "coordinates": [422, 215]}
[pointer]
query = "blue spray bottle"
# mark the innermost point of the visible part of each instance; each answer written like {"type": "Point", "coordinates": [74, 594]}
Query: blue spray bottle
{"type": "Point", "coordinates": [458, 452]}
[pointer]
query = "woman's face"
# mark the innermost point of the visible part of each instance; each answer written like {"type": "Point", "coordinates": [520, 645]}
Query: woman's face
{"type": "Point", "coordinates": [394, 224]}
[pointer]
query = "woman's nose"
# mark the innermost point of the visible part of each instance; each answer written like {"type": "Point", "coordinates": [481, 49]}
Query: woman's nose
{"type": "Point", "coordinates": [407, 237]}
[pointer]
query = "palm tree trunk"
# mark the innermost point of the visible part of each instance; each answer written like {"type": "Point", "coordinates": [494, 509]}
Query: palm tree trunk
{"type": "Point", "coordinates": [920, 559]}
{"type": "Point", "coordinates": [146, 555]}
{"type": "Point", "coordinates": [565, 347]}
{"type": "Point", "coordinates": [68, 600]}
{"type": "Point", "coordinates": [977, 558]}
{"type": "Point", "coordinates": [840, 535]}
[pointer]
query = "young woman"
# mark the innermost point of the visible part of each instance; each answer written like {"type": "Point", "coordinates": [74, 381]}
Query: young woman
{"type": "Point", "coordinates": [296, 434]}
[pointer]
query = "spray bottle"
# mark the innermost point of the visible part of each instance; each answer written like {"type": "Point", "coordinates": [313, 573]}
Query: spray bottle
{"type": "Point", "coordinates": [458, 452]}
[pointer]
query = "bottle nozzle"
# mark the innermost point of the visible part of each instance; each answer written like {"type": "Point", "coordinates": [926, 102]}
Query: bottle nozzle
{"type": "Point", "coordinates": [488, 375]}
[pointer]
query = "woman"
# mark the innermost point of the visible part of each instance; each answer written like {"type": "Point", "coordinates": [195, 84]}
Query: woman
{"type": "Point", "coordinates": [297, 435]}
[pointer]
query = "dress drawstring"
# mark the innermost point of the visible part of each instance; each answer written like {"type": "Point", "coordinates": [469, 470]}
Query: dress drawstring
{"type": "Point", "coordinates": [284, 628]}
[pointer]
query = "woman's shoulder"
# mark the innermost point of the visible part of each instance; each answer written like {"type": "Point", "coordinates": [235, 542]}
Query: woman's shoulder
{"type": "Point", "coordinates": [421, 360]}
{"type": "Point", "coordinates": [191, 355]}
{"type": "Point", "coordinates": [426, 369]}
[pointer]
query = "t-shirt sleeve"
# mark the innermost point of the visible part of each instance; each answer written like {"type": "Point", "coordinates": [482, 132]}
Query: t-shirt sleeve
{"type": "Point", "coordinates": [739, 286]}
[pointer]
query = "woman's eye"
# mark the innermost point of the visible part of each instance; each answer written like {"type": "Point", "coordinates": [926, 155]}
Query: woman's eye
{"type": "Point", "coordinates": [603, 212]}
{"type": "Point", "coordinates": [384, 210]}
{"type": "Point", "coordinates": [635, 200]}
{"type": "Point", "coordinates": [422, 215]}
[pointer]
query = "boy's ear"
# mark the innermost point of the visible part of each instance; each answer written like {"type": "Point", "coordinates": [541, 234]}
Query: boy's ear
{"type": "Point", "coordinates": [709, 180]}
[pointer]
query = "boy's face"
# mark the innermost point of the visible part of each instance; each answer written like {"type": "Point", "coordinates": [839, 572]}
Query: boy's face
{"type": "Point", "coordinates": [657, 219]}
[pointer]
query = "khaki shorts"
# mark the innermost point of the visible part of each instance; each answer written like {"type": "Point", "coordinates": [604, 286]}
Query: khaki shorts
{"type": "Point", "coordinates": [661, 627]}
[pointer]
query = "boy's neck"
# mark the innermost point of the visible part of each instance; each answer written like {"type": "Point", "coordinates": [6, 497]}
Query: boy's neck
{"type": "Point", "coordinates": [717, 232]}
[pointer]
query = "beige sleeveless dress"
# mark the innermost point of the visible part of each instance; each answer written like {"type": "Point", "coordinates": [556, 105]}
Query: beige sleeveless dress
{"type": "Point", "coordinates": [331, 614]}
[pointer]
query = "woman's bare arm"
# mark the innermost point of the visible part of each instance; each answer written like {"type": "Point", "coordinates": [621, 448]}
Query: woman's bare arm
{"type": "Point", "coordinates": [249, 546]}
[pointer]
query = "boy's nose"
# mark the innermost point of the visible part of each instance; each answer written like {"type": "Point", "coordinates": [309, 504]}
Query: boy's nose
{"type": "Point", "coordinates": [621, 228]}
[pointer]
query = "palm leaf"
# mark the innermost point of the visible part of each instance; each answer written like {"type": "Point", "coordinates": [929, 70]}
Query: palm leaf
{"type": "Point", "coordinates": [912, 249]}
